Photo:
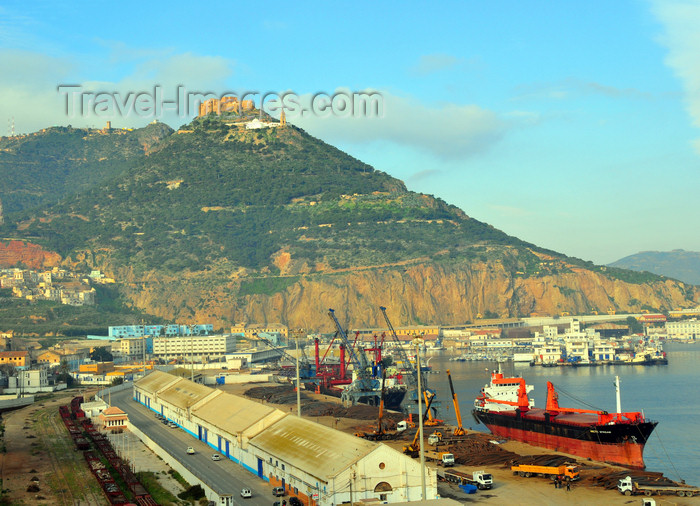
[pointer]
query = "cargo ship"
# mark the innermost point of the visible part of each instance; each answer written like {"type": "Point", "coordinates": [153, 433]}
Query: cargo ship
{"type": "Point", "coordinates": [616, 438]}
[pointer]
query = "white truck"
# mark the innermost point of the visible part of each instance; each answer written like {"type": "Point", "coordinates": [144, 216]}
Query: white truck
{"type": "Point", "coordinates": [629, 487]}
{"type": "Point", "coordinates": [442, 458]}
{"type": "Point", "coordinates": [481, 479]}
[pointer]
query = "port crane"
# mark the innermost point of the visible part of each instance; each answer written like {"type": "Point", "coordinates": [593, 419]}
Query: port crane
{"type": "Point", "coordinates": [305, 369]}
{"type": "Point", "coordinates": [459, 431]}
{"type": "Point", "coordinates": [328, 374]}
{"type": "Point", "coordinates": [364, 387]}
{"type": "Point", "coordinates": [410, 373]}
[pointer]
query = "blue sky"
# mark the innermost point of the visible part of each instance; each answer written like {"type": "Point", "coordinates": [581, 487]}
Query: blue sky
{"type": "Point", "coordinates": [574, 126]}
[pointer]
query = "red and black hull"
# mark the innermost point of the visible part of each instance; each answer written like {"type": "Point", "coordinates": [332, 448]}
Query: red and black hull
{"type": "Point", "coordinates": [618, 443]}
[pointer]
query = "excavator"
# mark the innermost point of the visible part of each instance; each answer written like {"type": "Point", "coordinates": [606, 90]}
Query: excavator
{"type": "Point", "coordinates": [413, 448]}
{"type": "Point", "coordinates": [431, 421]}
{"type": "Point", "coordinates": [459, 431]}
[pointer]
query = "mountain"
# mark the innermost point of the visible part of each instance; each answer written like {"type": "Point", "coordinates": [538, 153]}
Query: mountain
{"type": "Point", "coordinates": [44, 167]}
{"type": "Point", "coordinates": [221, 223]}
{"type": "Point", "coordinates": [677, 264]}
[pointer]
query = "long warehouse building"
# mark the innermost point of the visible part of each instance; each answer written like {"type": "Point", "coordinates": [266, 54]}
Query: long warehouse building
{"type": "Point", "coordinates": [320, 465]}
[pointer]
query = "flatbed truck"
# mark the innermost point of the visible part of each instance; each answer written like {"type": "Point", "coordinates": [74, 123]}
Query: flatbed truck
{"type": "Point", "coordinates": [628, 486]}
{"type": "Point", "coordinates": [481, 479]}
{"type": "Point", "coordinates": [563, 472]}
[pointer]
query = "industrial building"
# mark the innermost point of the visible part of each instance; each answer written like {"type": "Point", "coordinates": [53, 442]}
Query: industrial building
{"type": "Point", "coordinates": [200, 347]}
{"type": "Point", "coordinates": [318, 464]}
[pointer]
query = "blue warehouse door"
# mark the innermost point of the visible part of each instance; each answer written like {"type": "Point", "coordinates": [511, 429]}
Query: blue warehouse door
{"type": "Point", "coordinates": [260, 470]}
{"type": "Point", "coordinates": [227, 451]}
{"type": "Point", "coordinates": [199, 432]}
{"type": "Point", "coordinates": [218, 442]}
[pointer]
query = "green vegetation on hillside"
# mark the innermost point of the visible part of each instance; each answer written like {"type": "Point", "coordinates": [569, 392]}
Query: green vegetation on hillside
{"type": "Point", "coordinates": [44, 167]}
{"type": "Point", "coordinates": [266, 286]}
{"type": "Point", "coordinates": [220, 191]}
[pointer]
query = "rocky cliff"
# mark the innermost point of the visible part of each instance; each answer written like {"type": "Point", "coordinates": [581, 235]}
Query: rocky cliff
{"type": "Point", "coordinates": [15, 253]}
{"type": "Point", "coordinates": [421, 293]}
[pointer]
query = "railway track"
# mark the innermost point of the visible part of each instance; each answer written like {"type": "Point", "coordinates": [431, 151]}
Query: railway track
{"type": "Point", "coordinates": [71, 481]}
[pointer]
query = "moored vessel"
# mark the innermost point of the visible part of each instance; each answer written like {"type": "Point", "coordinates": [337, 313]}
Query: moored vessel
{"type": "Point", "coordinates": [618, 438]}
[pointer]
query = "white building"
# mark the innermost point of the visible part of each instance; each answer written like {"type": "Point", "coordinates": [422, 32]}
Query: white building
{"type": "Point", "coordinates": [193, 347]}
{"type": "Point", "coordinates": [683, 329]}
{"type": "Point", "coordinates": [547, 352]}
{"type": "Point", "coordinates": [131, 348]}
{"type": "Point", "coordinates": [550, 332]}
{"type": "Point", "coordinates": [256, 124]}
{"type": "Point", "coordinates": [577, 349]}
{"type": "Point", "coordinates": [316, 463]}
{"type": "Point", "coordinates": [603, 350]}
{"type": "Point", "coordinates": [94, 408]}
{"type": "Point", "coordinates": [30, 382]}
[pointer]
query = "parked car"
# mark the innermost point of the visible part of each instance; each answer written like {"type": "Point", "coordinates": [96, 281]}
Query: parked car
{"type": "Point", "coordinates": [216, 456]}
{"type": "Point", "coordinates": [190, 450]}
{"type": "Point", "coordinates": [246, 493]}
{"type": "Point", "coordinates": [164, 421]}
{"type": "Point", "coordinates": [278, 491]}
{"type": "Point", "coordinates": [172, 424]}
{"type": "Point", "coordinates": [295, 501]}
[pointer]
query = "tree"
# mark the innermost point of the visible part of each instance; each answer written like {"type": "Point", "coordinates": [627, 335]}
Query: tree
{"type": "Point", "coordinates": [101, 354]}
{"type": "Point", "coordinates": [63, 375]}
{"type": "Point", "coordinates": [634, 326]}
{"type": "Point", "coordinates": [7, 369]}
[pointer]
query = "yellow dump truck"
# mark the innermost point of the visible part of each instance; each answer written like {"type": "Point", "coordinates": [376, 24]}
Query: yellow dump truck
{"type": "Point", "coordinates": [563, 472]}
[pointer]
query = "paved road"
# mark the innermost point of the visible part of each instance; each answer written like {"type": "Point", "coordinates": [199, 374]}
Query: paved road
{"type": "Point", "coordinates": [224, 475]}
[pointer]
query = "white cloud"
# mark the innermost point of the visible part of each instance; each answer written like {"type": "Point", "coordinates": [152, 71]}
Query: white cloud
{"type": "Point", "coordinates": [681, 37]}
{"type": "Point", "coordinates": [574, 88]}
{"type": "Point", "coordinates": [446, 130]}
{"type": "Point", "coordinates": [432, 63]}
{"type": "Point", "coordinates": [30, 92]}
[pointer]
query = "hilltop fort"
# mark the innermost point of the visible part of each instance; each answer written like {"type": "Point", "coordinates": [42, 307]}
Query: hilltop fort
{"type": "Point", "coordinates": [224, 104]}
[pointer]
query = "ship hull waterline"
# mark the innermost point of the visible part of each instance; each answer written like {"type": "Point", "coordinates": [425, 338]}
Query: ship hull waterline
{"type": "Point", "coordinates": [613, 444]}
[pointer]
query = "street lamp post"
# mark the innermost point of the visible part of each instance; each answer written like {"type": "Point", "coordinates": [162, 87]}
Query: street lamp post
{"type": "Point", "coordinates": [417, 342]}
{"type": "Point", "coordinates": [191, 354]}
{"type": "Point", "coordinates": [296, 339]}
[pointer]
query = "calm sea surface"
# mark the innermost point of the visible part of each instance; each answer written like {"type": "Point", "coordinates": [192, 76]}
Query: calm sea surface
{"type": "Point", "coordinates": [668, 394]}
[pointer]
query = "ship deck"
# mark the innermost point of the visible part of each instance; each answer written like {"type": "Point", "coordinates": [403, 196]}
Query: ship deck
{"type": "Point", "coordinates": [584, 419]}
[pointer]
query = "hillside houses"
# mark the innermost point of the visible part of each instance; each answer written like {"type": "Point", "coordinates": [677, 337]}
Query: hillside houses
{"type": "Point", "coordinates": [57, 285]}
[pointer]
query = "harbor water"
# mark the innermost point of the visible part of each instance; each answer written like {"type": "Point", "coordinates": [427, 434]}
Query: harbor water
{"type": "Point", "coordinates": [669, 394]}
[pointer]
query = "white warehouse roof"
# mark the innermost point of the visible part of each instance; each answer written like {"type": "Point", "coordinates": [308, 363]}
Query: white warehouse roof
{"type": "Point", "coordinates": [319, 450]}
